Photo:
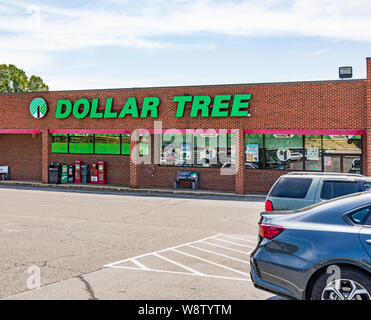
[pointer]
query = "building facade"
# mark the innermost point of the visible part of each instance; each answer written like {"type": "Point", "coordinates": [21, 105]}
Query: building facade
{"type": "Point", "coordinates": [146, 135]}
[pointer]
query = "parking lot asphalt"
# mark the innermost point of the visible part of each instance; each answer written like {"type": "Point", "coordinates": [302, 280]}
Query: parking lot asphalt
{"type": "Point", "coordinates": [89, 245]}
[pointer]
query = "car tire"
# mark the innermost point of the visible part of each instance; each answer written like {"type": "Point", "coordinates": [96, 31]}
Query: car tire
{"type": "Point", "coordinates": [350, 280]}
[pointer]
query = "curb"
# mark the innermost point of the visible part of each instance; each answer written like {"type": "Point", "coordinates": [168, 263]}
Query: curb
{"type": "Point", "coordinates": [127, 189]}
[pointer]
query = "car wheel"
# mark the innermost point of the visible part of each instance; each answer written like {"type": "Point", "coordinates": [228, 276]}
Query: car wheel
{"type": "Point", "coordinates": [351, 285]}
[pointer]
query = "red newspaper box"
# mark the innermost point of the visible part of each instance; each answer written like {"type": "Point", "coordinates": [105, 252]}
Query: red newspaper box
{"type": "Point", "coordinates": [102, 172]}
{"type": "Point", "coordinates": [77, 164]}
{"type": "Point", "coordinates": [94, 174]}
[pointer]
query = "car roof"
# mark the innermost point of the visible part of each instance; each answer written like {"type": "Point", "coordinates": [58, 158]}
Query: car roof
{"type": "Point", "coordinates": [341, 204]}
{"type": "Point", "coordinates": [332, 174]}
{"type": "Point", "coordinates": [327, 175]}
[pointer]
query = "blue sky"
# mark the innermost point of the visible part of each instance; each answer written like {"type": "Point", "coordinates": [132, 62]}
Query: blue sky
{"type": "Point", "coordinates": [140, 43]}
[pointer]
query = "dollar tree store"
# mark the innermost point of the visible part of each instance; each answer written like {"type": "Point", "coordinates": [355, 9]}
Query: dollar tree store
{"type": "Point", "coordinates": [258, 131]}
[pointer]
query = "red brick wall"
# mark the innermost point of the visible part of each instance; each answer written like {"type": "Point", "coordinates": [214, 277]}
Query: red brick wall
{"type": "Point", "coordinates": [45, 155]}
{"type": "Point", "coordinates": [367, 115]}
{"type": "Point", "coordinates": [261, 180]}
{"type": "Point", "coordinates": [161, 176]}
{"type": "Point", "coordinates": [22, 153]}
{"type": "Point", "coordinates": [305, 105]}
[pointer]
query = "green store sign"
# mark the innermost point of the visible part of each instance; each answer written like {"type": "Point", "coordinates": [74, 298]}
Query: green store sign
{"type": "Point", "coordinates": [223, 106]}
{"type": "Point", "coordinates": [38, 108]}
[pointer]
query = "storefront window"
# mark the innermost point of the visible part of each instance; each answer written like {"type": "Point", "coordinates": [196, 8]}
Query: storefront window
{"type": "Point", "coordinates": [60, 143]}
{"type": "Point", "coordinates": [169, 150]}
{"type": "Point", "coordinates": [331, 163]}
{"type": "Point", "coordinates": [205, 150]}
{"type": "Point", "coordinates": [342, 144]}
{"type": "Point", "coordinates": [197, 150]}
{"type": "Point", "coordinates": [342, 153]}
{"type": "Point", "coordinates": [254, 151]}
{"type": "Point", "coordinates": [145, 140]}
{"type": "Point", "coordinates": [313, 153]}
{"type": "Point", "coordinates": [284, 152]}
{"type": "Point", "coordinates": [352, 164]}
{"type": "Point", "coordinates": [310, 152]}
{"type": "Point", "coordinates": [107, 144]}
{"type": "Point", "coordinates": [125, 144]}
{"type": "Point", "coordinates": [92, 143]}
{"type": "Point", "coordinates": [81, 143]}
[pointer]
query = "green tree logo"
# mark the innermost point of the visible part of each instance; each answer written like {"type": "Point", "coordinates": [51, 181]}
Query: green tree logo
{"type": "Point", "coordinates": [38, 108]}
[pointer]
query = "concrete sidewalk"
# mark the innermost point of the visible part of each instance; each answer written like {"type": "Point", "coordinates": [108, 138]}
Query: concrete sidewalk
{"type": "Point", "coordinates": [114, 188]}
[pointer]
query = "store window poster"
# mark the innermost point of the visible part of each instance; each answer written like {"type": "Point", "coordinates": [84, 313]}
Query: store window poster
{"type": "Point", "coordinates": [252, 153]}
{"type": "Point", "coordinates": [312, 154]}
{"type": "Point", "coordinates": [327, 161]}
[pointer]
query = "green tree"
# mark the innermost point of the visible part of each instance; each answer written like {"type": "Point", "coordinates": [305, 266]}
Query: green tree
{"type": "Point", "coordinates": [35, 83]}
{"type": "Point", "coordinates": [13, 79]}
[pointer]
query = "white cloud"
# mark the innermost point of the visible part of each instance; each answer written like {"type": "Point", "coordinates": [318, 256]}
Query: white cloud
{"type": "Point", "coordinates": [315, 53]}
{"type": "Point", "coordinates": [30, 32]}
{"type": "Point", "coordinates": [53, 28]}
{"type": "Point", "coordinates": [28, 60]}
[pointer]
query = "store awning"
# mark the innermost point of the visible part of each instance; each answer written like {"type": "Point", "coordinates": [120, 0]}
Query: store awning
{"type": "Point", "coordinates": [89, 131]}
{"type": "Point", "coordinates": [335, 132]}
{"type": "Point", "coordinates": [19, 131]}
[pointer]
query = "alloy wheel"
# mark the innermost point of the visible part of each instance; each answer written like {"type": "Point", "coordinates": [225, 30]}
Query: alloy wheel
{"type": "Point", "coordinates": [345, 289]}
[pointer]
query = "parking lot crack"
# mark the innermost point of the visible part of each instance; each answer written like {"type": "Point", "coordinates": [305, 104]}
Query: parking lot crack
{"type": "Point", "coordinates": [88, 288]}
{"type": "Point", "coordinates": [136, 215]}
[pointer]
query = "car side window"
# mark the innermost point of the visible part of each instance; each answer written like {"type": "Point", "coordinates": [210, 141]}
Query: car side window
{"type": "Point", "coordinates": [334, 189]}
{"type": "Point", "coordinates": [326, 190]}
{"type": "Point", "coordinates": [367, 185]}
{"type": "Point", "coordinates": [368, 222]}
{"type": "Point", "coordinates": [360, 216]}
{"type": "Point", "coordinates": [291, 188]}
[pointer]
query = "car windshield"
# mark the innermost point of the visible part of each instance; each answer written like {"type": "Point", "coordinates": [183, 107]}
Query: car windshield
{"type": "Point", "coordinates": [327, 202]}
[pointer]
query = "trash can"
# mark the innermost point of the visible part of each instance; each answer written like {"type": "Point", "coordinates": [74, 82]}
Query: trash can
{"type": "Point", "coordinates": [55, 170]}
{"type": "Point", "coordinates": [85, 173]}
{"type": "Point", "coordinates": [64, 178]}
{"type": "Point", "coordinates": [4, 173]}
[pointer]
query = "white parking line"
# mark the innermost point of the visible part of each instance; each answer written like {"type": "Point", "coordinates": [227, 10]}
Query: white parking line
{"type": "Point", "coordinates": [140, 265]}
{"type": "Point", "coordinates": [186, 274]}
{"type": "Point", "coordinates": [224, 247]}
{"type": "Point", "coordinates": [234, 243]}
{"type": "Point", "coordinates": [211, 262]}
{"type": "Point", "coordinates": [178, 264]}
{"type": "Point", "coordinates": [192, 245]}
{"type": "Point", "coordinates": [220, 254]}
{"type": "Point", "coordinates": [237, 238]}
{"type": "Point", "coordinates": [159, 251]}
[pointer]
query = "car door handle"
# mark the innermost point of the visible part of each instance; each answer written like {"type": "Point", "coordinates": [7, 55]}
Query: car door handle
{"type": "Point", "coordinates": [368, 241]}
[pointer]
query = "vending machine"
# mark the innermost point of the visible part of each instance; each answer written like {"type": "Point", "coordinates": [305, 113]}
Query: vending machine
{"type": "Point", "coordinates": [71, 174]}
{"type": "Point", "coordinates": [85, 169]}
{"type": "Point", "coordinates": [64, 178]}
{"type": "Point", "coordinates": [102, 172]}
{"type": "Point", "coordinates": [77, 164]}
{"type": "Point", "coordinates": [94, 174]}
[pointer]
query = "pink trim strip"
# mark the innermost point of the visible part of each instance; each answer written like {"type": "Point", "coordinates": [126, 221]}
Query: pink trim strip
{"type": "Point", "coordinates": [19, 131]}
{"type": "Point", "coordinates": [90, 131]}
{"type": "Point", "coordinates": [308, 132]}
{"type": "Point", "coordinates": [183, 131]}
